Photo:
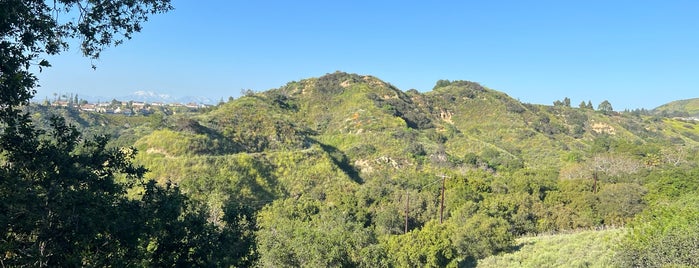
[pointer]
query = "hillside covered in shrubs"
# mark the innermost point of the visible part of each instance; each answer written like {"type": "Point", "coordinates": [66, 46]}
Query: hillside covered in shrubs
{"type": "Point", "coordinates": [348, 170]}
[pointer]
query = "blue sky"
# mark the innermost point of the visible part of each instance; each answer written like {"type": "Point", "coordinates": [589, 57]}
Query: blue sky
{"type": "Point", "coordinates": [636, 54]}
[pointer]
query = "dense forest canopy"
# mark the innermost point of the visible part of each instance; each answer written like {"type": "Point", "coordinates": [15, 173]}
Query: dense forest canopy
{"type": "Point", "coordinates": [339, 170]}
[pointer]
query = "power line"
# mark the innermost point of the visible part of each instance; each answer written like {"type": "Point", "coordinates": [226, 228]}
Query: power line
{"type": "Point", "coordinates": [442, 178]}
{"type": "Point", "coordinates": [428, 184]}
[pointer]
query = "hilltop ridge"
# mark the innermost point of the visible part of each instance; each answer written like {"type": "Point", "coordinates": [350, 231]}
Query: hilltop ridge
{"type": "Point", "coordinates": [680, 108]}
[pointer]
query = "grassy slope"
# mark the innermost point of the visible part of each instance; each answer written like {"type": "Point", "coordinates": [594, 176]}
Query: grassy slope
{"type": "Point", "coordinates": [690, 106]}
{"type": "Point", "coordinates": [582, 249]}
{"type": "Point", "coordinates": [689, 130]}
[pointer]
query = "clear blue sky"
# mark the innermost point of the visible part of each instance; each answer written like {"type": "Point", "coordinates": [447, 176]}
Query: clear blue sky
{"type": "Point", "coordinates": [636, 54]}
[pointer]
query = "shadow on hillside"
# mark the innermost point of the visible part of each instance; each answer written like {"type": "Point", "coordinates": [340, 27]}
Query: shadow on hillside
{"type": "Point", "coordinates": [341, 160]}
{"type": "Point", "coordinates": [519, 246]}
{"type": "Point", "coordinates": [225, 145]}
{"type": "Point", "coordinates": [469, 262]}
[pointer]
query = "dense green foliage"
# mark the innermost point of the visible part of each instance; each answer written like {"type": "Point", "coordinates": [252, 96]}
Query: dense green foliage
{"type": "Point", "coordinates": [667, 233]}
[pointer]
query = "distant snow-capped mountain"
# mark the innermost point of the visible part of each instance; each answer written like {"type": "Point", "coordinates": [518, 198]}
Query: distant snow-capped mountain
{"type": "Point", "coordinates": [147, 96]}
{"type": "Point", "coordinates": [195, 99]}
{"type": "Point", "coordinates": [150, 96]}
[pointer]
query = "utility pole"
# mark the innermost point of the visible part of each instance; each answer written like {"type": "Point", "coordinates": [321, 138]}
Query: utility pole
{"type": "Point", "coordinates": [441, 207]}
{"type": "Point", "coordinates": [594, 184]}
{"type": "Point", "coordinates": [407, 205]}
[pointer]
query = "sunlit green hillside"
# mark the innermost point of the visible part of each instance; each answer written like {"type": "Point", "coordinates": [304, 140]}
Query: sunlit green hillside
{"type": "Point", "coordinates": [689, 107]}
{"type": "Point", "coordinates": [347, 170]}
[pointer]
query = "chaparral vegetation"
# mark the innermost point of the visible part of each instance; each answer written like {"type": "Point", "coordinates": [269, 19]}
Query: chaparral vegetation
{"type": "Point", "coordinates": [339, 170]}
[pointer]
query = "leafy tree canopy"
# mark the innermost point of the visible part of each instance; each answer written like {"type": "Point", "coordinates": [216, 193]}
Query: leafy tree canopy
{"type": "Point", "coordinates": [63, 195]}
{"type": "Point", "coordinates": [605, 107]}
{"type": "Point", "coordinates": [30, 29]}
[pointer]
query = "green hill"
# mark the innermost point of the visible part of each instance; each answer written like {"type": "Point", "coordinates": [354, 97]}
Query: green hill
{"type": "Point", "coordinates": [686, 108]}
{"type": "Point", "coordinates": [338, 167]}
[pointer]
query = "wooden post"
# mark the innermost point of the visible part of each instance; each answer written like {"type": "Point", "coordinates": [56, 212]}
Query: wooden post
{"type": "Point", "coordinates": [441, 207]}
{"type": "Point", "coordinates": [594, 184]}
{"type": "Point", "coordinates": [407, 206]}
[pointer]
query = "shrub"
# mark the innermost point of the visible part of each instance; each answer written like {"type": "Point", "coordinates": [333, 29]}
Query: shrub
{"type": "Point", "coordinates": [665, 235]}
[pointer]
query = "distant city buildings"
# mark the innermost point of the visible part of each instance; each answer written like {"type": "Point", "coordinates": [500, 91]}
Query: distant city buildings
{"type": "Point", "coordinates": [124, 107]}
